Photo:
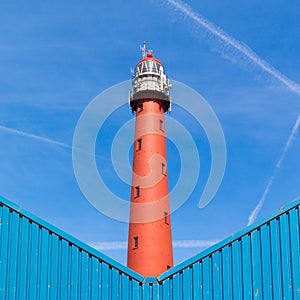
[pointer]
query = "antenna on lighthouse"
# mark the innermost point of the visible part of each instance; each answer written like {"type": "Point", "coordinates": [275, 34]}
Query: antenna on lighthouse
{"type": "Point", "coordinates": [132, 73]}
{"type": "Point", "coordinates": [143, 50]}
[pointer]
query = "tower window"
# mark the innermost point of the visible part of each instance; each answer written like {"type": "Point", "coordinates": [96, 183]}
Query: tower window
{"type": "Point", "coordinates": [137, 191]}
{"type": "Point", "coordinates": [163, 169]}
{"type": "Point", "coordinates": [161, 125]}
{"type": "Point", "coordinates": [166, 218]}
{"type": "Point", "coordinates": [139, 144]}
{"type": "Point", "coordinates": [135, 242]}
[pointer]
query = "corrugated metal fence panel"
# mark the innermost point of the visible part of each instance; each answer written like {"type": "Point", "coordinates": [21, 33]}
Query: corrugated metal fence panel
{"type": "Point", "coordinates": [262, 262]}
{"type": "Point", "coordinates": [37, 263]}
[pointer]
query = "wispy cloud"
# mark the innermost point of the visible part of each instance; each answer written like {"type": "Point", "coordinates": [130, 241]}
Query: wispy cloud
{"type": "Point", "coordinates": [239, 52]}
{"type": "Point", "coordinates": [194, 243]}
{"type": "Point", "coordinates": [109, 245]}
{"type": "Point", "coordinates": [288, 144]}
{"type": "Point", "coordinates": [176, 244]}
{"type": "Point", "coordinates": [33, 136]}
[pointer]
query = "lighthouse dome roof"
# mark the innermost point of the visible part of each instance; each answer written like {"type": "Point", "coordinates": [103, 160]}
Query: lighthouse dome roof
{"type": "Point", "coordinates": [149, 65]}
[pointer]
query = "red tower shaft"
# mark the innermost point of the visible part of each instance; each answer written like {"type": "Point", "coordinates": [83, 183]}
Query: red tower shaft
{"type": "Point", "coordinates": [149, 238]}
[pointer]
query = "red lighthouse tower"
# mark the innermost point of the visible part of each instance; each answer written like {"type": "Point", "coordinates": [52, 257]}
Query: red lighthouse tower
{"type": "Point", "coordinates": [149, 238]}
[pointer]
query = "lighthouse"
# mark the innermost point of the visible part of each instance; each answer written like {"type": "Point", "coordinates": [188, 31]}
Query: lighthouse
{"type": "Point", "coordinates": [149, 238]}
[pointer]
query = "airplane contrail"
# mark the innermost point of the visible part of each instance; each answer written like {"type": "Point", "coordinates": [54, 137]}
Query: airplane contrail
{"type": "Point", "coordinates": [33, 136]}
{"type": "Point", "coordinates": [289, 142]}
{"type": "Point", "coordinates": [228, 41]}
{"type": "Point", "coordinates": [122, 245]}
{"type": "Point", "coordinates": [47, 140]}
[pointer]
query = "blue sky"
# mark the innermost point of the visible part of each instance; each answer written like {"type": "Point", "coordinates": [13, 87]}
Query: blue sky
{"type": "Point", "coordinates": [55, 58]}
